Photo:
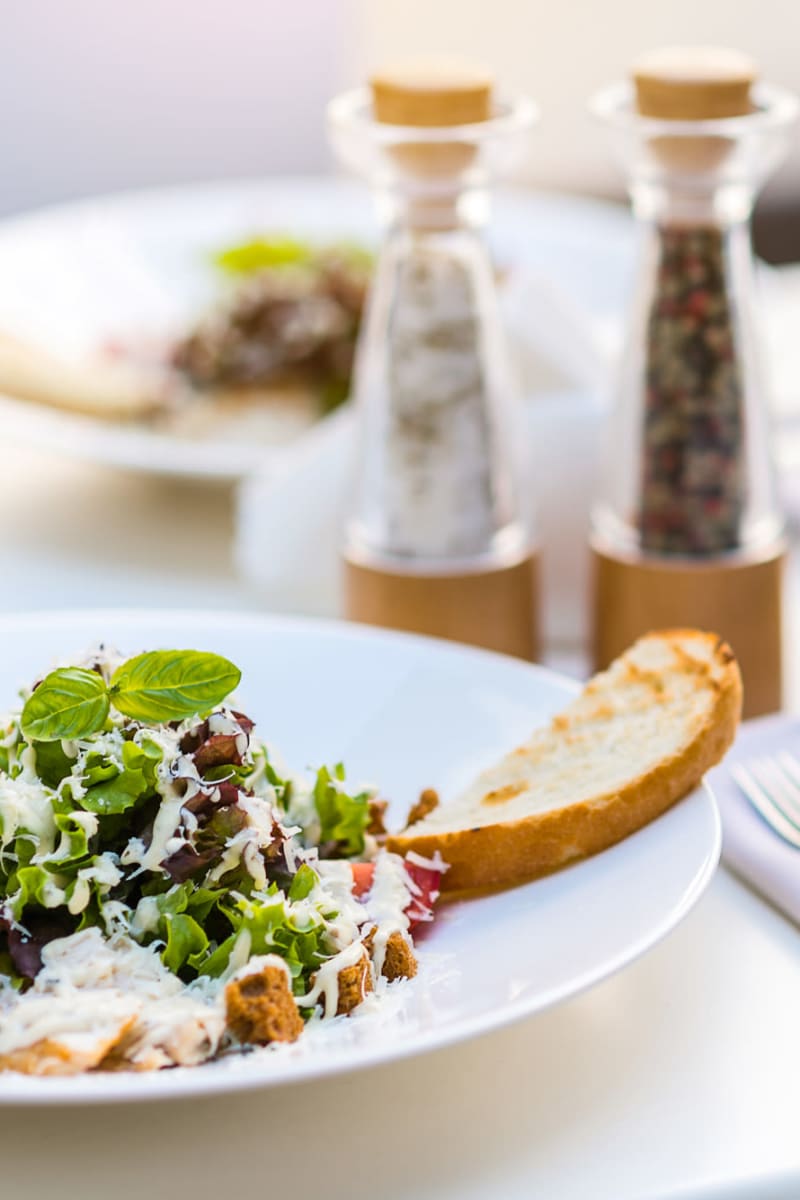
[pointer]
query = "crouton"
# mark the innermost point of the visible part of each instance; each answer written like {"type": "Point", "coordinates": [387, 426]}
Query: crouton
{"type": "Point", "coordinates": [260, 1008]}
{"type": "Point", "coordinates": [355, 983]}
{"type": "Point", "coordinates": [399, 960]}
{"type": "Point", "coordinates": [428, 801]}
{"type": "Point", "coordinates": [377, 812]}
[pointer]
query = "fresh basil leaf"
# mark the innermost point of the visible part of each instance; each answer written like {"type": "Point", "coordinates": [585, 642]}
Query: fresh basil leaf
{"type": "Point", "coordinates": [169, 685]}
{"type": "Point", "coordinates": [68, 703]}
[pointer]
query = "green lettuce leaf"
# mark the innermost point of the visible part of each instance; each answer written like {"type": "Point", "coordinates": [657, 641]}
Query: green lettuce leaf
{"type": "Point", "coordinates": [28, 885]}
{"type": "Point", "coordinates": [52, 764]}
{"type": "Point", "coordinates": [115, 795]}
{"type": "Point", "coordinates": [186, 941]}
{"type": "Point", "coordinates": [303, 882]}
{"type": "Point", "coordinates": [73, 849]}
{"type": "Point", "coordinates": [343, 818]}
{"type": "Point", "coordinates": [272, 928]}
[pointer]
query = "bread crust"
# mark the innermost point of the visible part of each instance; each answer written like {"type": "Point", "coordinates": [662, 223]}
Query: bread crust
{"type": "Point", "coordinates": [516, 851]}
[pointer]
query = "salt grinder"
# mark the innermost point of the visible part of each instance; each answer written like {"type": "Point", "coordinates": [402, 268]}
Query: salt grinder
{"type": "Point", "coordinates": [687, 528]}
{"type": "Point", "coordinates": [437, 540]}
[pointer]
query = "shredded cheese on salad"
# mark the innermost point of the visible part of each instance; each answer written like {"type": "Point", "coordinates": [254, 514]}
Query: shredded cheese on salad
{"type": "Point", "coordinates": [168, 891]}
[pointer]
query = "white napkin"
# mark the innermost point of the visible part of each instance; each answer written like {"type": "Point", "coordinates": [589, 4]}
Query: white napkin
{"type": "Point", "coordinates": [749, 846]}
{"type": "Point", "coordinates": [289, 522]}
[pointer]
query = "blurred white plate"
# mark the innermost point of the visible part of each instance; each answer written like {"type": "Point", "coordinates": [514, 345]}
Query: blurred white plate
{"type": "Point", "coordinates": [405, 712]}
{"type": "Point", "coordinates": [76, 276]}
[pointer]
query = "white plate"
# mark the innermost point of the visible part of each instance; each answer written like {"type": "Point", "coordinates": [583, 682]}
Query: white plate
{"type": "Point", "coordinates": [406, 712]}
{"type": "Point", "coordinates": [137, 264]}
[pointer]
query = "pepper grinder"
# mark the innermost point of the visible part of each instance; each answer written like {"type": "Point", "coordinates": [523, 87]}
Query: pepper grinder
{"type": "Point", "coordinates": [687, 528]}
{"type": "Point", "coordinates": [437, 540]}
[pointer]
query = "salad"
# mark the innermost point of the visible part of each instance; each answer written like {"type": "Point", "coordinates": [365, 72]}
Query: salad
{"type": "Point", "coordinates": [291, 313]}
{"type": "Point", "coordinates": [169, 892]}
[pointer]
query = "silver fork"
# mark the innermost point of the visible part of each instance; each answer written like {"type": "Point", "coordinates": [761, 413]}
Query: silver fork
{"type": "Point", "coordinates": [772, 785]}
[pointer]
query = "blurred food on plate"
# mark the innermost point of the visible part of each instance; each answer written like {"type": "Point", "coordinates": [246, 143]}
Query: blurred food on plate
{"type": "Point", "coordinates": [270, 355]}
{"type": "Point", "coordinates": [290, 312]}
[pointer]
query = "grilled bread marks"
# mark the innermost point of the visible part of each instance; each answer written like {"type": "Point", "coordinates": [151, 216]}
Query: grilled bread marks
{"type": "Point", "coordinates": [640, 735]}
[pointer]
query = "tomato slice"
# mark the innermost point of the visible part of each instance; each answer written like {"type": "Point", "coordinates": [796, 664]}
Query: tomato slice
{"type": "Point", "coordinates": [423, 883]}
{"type": "Point", "coordinates": [425, 891]}
{"type": "Point", "coordinates": [363, 874]}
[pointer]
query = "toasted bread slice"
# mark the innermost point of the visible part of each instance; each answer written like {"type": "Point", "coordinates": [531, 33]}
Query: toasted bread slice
{"type": "Point", "coordinates": [115, 390]}
{"type": "Point", "coordinates": [639, 737]}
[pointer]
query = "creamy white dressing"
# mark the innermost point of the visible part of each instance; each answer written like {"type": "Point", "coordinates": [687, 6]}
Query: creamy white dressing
{"type": "Point", "coordinates": [104, 871]}
{"type": "Point", "coordinates": [26, 806]}
{"type": "Point", "coordinates": [146, 916]}
{"type": "Point", "coordinates": [224, 722]}
{"type": "Point", "coordinates": [89, 960]}
{"type": "Point", "coordinates": [233, 854]}
{"type": "Point", "coordinates": [180, 1031]}
{"type": "Point", "coordinates": [389, 896]}
{"type": "Point", "coordinates": [168, 819]}
{"type": "Point", "coordinates": [95, 1017]}
{"type": "Point", "coordinates": [87, 821]}
{"type": "Point", "coordinates": [326, 981]}
{"type": "Point", "coordinates": [240, 954]}
{"type": "Point", "coordinates": [116, 917]}
{"type": "Point", "coordinates": [95, 986]}
{"type": "Point", "coordinates": [335, 890]}
{"type": "Point", "coordinates": [52, 893]}
{"type": "Point", "coordinates": [258, 963]}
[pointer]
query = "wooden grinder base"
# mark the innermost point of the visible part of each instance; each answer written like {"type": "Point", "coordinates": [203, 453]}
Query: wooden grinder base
{"type": "Point", "coordinates": [494, 608]}
{"type": "Point", "coordinates": [739, 601]}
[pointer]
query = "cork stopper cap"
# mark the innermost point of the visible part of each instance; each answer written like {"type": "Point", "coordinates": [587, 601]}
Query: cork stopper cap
{"type": "Point", "coordinates": [694, 83]}
{"type": "Point", "coordinates": [432, 92]}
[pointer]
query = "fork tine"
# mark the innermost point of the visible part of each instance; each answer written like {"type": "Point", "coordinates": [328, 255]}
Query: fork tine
{"type": "Point", "coordinates": [781, 787]}
{"type": "Point", "coordinates": [790, 765]}
{"type": "Point", "coordinates": [764, 805]}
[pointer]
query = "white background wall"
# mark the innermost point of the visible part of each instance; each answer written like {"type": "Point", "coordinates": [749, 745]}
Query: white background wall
{"type": "Point", "coordinates": [103, 94]}
{"type": "Point", "coordinates": [562, 50]}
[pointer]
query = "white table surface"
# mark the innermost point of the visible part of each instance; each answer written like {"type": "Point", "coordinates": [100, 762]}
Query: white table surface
{"type": "Point", "coordinates": [678, 1077]}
